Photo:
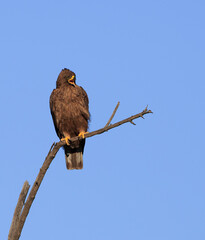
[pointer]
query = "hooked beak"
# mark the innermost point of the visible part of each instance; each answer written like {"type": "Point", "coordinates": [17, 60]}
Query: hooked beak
{"type": "Point", "coordinates": [72, 81]}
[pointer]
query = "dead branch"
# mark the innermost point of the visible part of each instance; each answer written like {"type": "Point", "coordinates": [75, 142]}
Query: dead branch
{"type": "Point", "coordinates": [113, 114]}
{"type": "Point", "coordinates": [18, 210]}
{"type": "Point", "coordinates": [16, 229]}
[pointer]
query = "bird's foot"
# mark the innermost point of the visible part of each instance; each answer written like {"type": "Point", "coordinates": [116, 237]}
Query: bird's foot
{"type": "Point", "coordinates": [66, 139]}
{"type": "Point", "coordinates": [82, 134]}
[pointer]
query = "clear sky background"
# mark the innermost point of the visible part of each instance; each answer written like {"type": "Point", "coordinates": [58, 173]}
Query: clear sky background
{"type": "Point", "coordinates": [139, 182]}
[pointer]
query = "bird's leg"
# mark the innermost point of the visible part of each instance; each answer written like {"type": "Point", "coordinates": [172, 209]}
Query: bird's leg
{"type": "Point", "coordinates": [66, 139]}
{"type": "Point", "coordinates": [82, 134]}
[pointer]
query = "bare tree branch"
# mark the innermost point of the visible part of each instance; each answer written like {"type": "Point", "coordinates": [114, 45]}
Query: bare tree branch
{"type": "Point", "coordinates": [18, 210]}
{"type": "Point", "coordinates": [107, 128]}
{"type": "Point", "coordinates": [51, 155]}
{"type": "Point", "coordinates": [113, 114]}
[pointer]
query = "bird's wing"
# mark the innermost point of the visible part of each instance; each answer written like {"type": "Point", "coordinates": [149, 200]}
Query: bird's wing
{"type": "Point", "coordinates": [54, 112]}
{"type": "Point", "coordinates": [85, 99]}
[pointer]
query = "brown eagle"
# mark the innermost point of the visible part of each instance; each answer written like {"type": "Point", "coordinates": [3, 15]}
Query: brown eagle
{"type": "Point", "coordinates": [69, 110]}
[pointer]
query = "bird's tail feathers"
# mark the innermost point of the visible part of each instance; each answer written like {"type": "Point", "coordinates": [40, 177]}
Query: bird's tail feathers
{"type": "Point", "coordinates": [74, 158]}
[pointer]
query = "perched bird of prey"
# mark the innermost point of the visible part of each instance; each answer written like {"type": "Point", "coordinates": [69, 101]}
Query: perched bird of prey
{"type": "Point", "coordinates": [69, 110]}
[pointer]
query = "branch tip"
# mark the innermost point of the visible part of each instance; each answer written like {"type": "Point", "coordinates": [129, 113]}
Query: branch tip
{"type": "Point", "coordinates": [18, 210]}
{"type": "Point", "coordinates": [132, 122]}
{"type": "Point", "coordinates": [146, 108]}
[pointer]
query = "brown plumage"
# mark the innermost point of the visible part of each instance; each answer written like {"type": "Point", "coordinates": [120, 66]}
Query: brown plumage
{"type": "Point", "coordinates": [69, 110]}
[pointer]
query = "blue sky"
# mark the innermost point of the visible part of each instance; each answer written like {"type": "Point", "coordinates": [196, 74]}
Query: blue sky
{"type": "Point", "coordinates": [138, 182]}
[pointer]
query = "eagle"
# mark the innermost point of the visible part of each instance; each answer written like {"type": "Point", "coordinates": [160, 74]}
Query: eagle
{"type": "Point", "coordinates": [69, 106]}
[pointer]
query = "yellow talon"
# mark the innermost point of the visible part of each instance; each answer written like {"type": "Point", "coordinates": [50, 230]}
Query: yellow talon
{"type": "Point", "coordinates": [66, 139]}
{"type": "Point", "coordinates": [82, 134]}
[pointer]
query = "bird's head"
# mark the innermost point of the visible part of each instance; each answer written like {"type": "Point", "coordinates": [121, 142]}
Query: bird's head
{"type": "Point", "coordinates": [66, 77]}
